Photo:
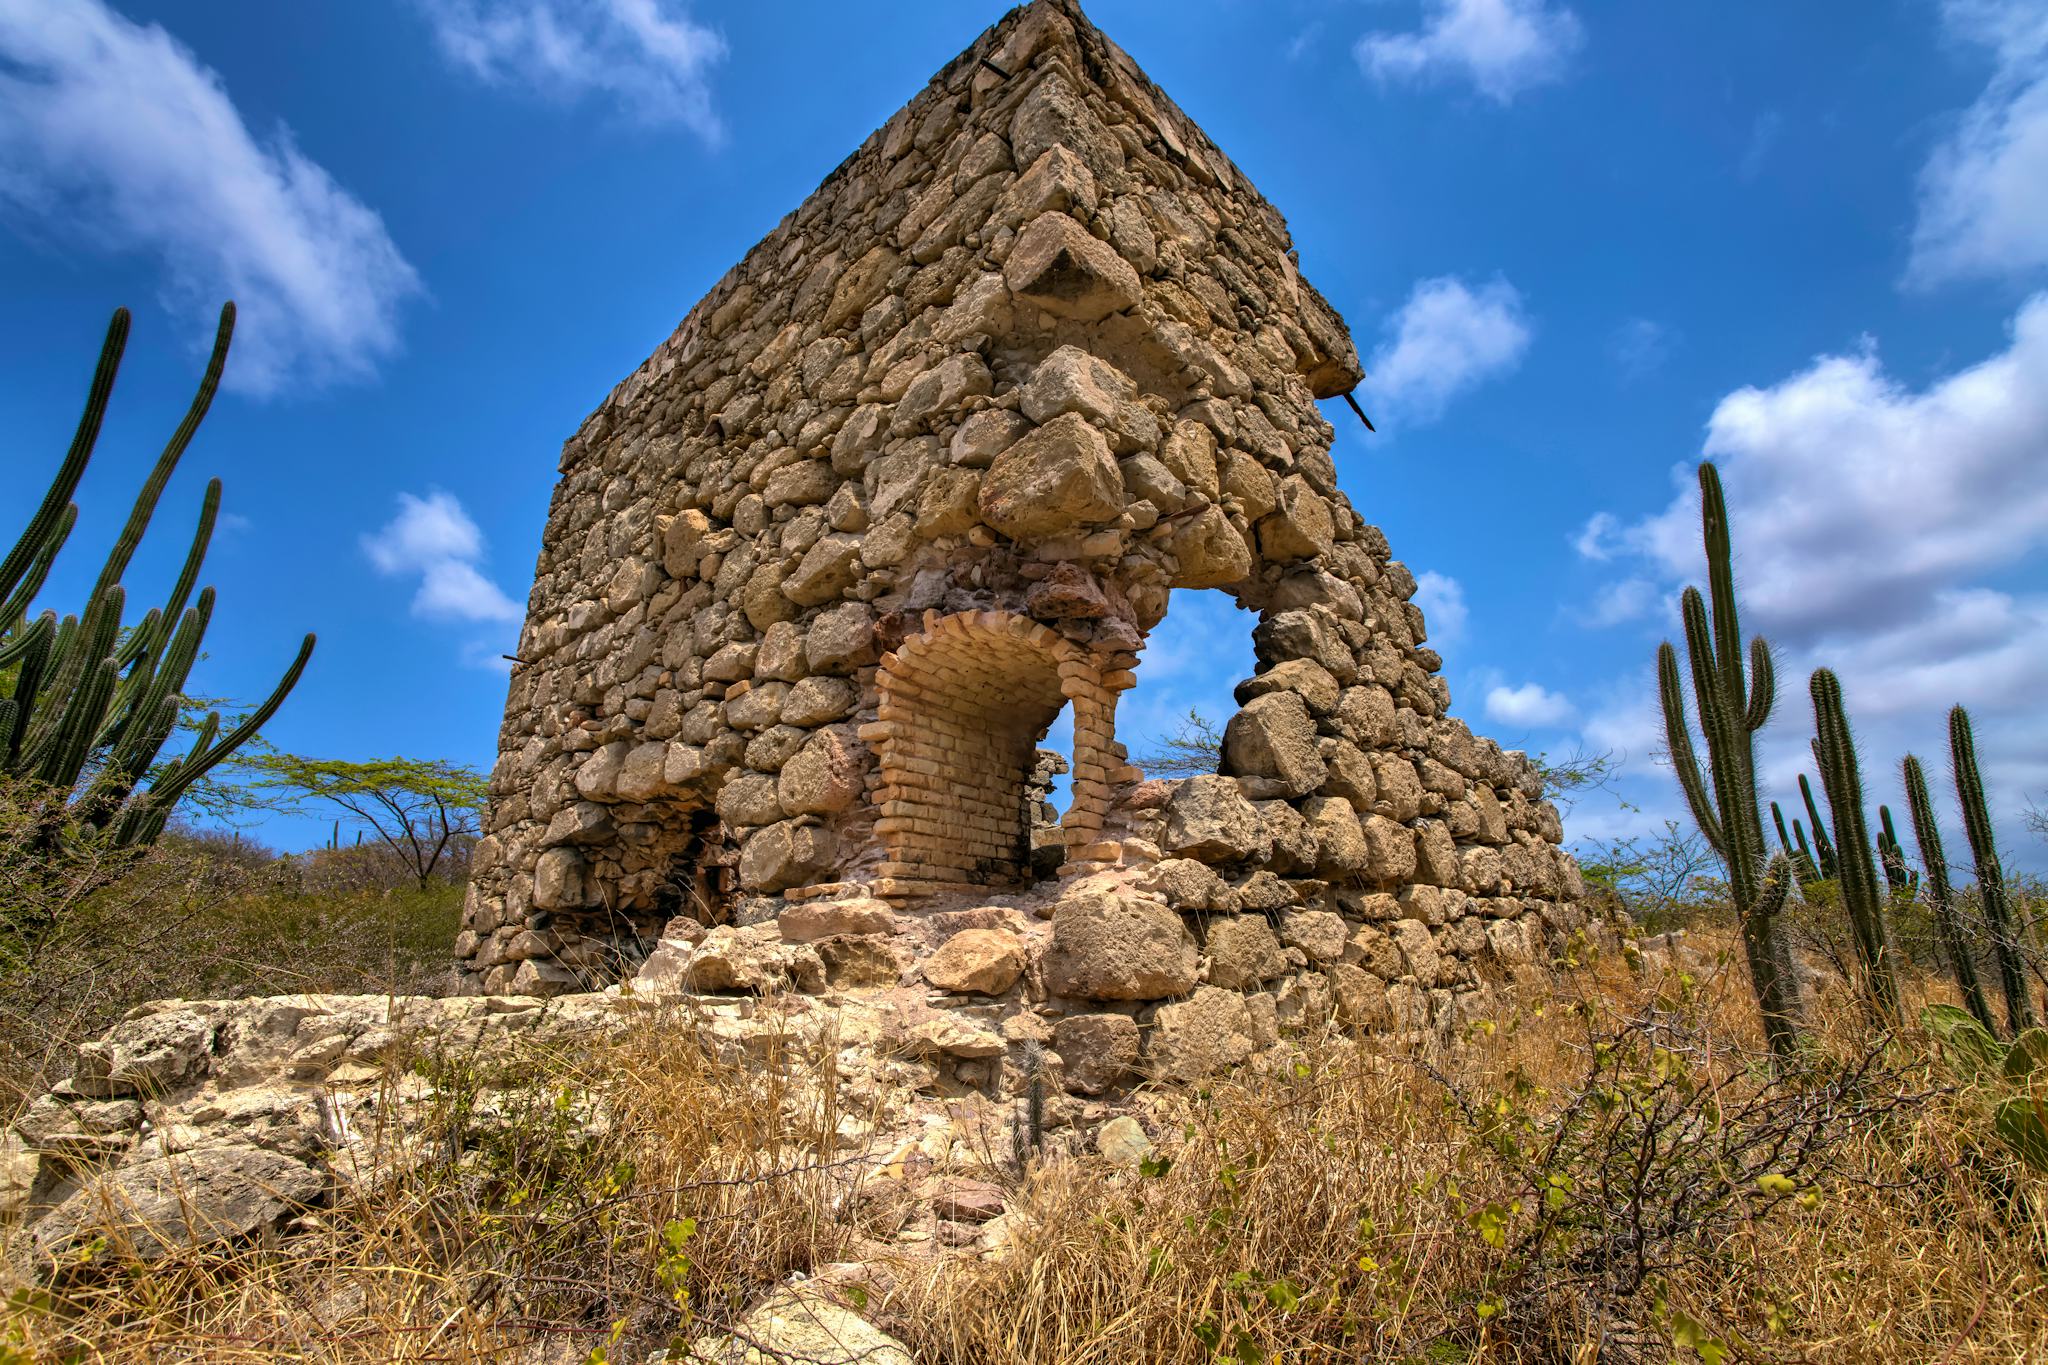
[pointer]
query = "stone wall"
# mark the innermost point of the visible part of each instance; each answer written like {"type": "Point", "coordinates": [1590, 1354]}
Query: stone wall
{"type": "Point", "coordinates": [919, 472]}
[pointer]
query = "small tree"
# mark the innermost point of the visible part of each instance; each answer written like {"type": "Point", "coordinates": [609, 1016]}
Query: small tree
{"type": "Point", "coordinates": [420, 808]}
{"type": "Point", "coordinates": [1194, 749]}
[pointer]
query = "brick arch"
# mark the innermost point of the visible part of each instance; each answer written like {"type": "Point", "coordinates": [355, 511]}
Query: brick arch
{"type": "Point", "coordinates": [961, 706]}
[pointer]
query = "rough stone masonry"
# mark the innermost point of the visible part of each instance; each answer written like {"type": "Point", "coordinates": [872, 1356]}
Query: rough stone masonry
{"type": "Point", "coordinates": [917, 474]}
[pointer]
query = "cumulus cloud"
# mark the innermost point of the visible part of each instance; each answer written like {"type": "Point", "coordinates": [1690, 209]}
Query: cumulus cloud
{"type": "Point", "coordinates": [648, 57]}
{"type": "Point", "coordinates": [1868, 516]}
{"type": "Point", "coordinates": [1983, 205]}
{"type": "Point", "coordinates": [1447, 339]}
{"type": "Point", "coordinates": [114, 134]}
{"type": "Point", "coordinates": [1503, 47]}
{"type": "Point", "coordinates": [1529, 706]}
{"type": "Point", "coordinates": [1627, 599]}
{"type": "Point", "coordinates": [1442, 600]}
{"type": "Point", "coordinates": [432, 537]}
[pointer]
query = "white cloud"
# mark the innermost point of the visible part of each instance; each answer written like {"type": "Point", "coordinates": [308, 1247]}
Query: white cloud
{"type": "Point", "coordinates": [1529, 706]}
{"type": "Point", "coordinates": [1626, 599]}
{"type": "Point", "coordinates": [434, 538]}
{"type": "Point", "coordinates": [1442, 600]}
{"type": "Point", "coordinates": [1639, 347]}
{"type": "Point", "coordinates": [1445, 340]}
{"type": "Point", "coordinates": [1502, 46]}
{"type": "Point", "coordinates": [648, 56]}
{"type": "Point", "coordinates": [1983, 207]}
{"type": "Point", "coordinates": [114, 133]}
{"type": "Point", "coordinates": [1866, 517]}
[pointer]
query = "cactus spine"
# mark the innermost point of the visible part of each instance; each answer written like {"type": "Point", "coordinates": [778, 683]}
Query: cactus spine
{"type": "Point", "coordinates": [89, 711]}
{"type": "Point", "coordinates": [1834, 749]}
{"type": "Point", "coordinates": [1732, 707]}
{"type": "Point", "coordinates": [1803, 867]}
{"type": "Point", "coordinates": [1940, 896]}
{"type": "Point", "coordinates": [2019, 1006]}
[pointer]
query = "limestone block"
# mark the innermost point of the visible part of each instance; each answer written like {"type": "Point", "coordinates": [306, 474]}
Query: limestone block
{"type": "Point", "coordinates": [810, 921]}
{"type": "Point", "coordinates": [841, 639]}
{"type": "Point", "coordinates": [1199, 1037]}
{"type": "Point", "coordinates": [949, 504]}
{"type": "Point", "coordinates": [1273, 737]}
{"type": "Point", "coordinates": [1097, 1051]}
{"type": "Point", "coordinates": [1299, 527]}
{"type": "Point", "coordinates": [1418, 950]}
{"type": "Point", "coordinates": [682, 543]}
{"type": "Point", "coordinates": [984, 436]}
{"type": "Point", "coordinates": [750, 800]}
{"type": "Point", "coordinates": [860, 286]}
{"type": "Point", "coordinates": [818, 701]}
{"type": "Point", "coordinates": [1398, 791]}
{"type": "Point", "coordinates": [1056, 265]}
{"type": "Point", "coordinates": [641, 775]}
{"type": "Point", "coordinates": [1208, 551]}
{"type": "Point", "coordinates": [940, 391]}
{"type": "Point", "coordinates": [1351, 775]}
{"type": "Point", "coordinates": [1294, 843]}
{"type": "Point", "coordinates": [977, 962]}
{"type": "Point", "coordinates": [1057, 182]}
{"type": "Point", "coordinates": [558, 880]}
{"type": "Point", "coordinates": [1242, 952]}
{"type": "Point", "coordinates": [786, 854]}
{"type": "Point", "coordinates": [1190, 453]}
{"type": "Point", "coordinates": [1366, 714]}
{"type": "Point", "coordinates": [1340, 841]}
{"type": "Point", "coordinates": [160, 1206]}
{"type": "Point", "coordinates": [1321, 934]}
{"type": "Point", "coordinates": [1436, 855]}
{"type": "Point", "coordinates": [1361, 997]}
{"type": "Point", "coordinates": [1246, 480]}
{"type": "Point", "coordinates": [1188, 886]}
{"type": "Point", "coordinates": [1209, 819]}
{"type": "Point", "coordinates": [1305, 678]}
{"type": "Point", "coordinates": [1390, 849]}
{"type": "Point", "coordinates": [1110, 947]}
{"type": "Point", "coordinates": [598, 777]}
{"type": "Point", "coordinates": [1072, 380]}
{"type": "Point", "coordinates": [757, 708]}
{"type": "Point", "coordinates": [1053, 115]}
{"type": "Point", "coordinates": [827, 570]}
{"type": "Point", "coordinates": [1058, 478]}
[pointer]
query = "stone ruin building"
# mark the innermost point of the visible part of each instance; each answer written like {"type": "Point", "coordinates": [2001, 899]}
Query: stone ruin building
{"type": "Point", "coordinates": [916, 475]}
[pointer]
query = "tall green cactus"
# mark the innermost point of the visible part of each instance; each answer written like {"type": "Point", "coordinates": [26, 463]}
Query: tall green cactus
{"type": "Point", "coordinates": [1891, 856]}
{"type": "Point", "coordinates": [1804, 869]}
{"type": "Point", "coordinates": [1940, 896]}
{"type": "Point", "coordinates": [1732, 708]}
{"type": "Point", "coordinates": [1962, 746]}
{"type": "Point", "coordinates": [1834, 749]}
{"type": "Point", "coordinates": [1823, 850]}
{"type": "Point", "coordinates": [89, 709]}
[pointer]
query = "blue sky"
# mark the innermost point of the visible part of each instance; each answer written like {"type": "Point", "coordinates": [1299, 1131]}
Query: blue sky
{"type": "Point", "coordinates": [1579, 245]}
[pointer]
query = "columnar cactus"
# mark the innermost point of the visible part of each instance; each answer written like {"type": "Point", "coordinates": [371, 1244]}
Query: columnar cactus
{"type": "Point", "coordinates": [1940, 896]}
{"type": "Point", "coordinates": [2019, 1005]}
{"type": "Point", "coordinates": [1834, 749]}
{"type": "Point", "coordinates": [1891, 856]}
{"type": "Point", "coordinates": [1823, 851]}
{"type": "Point", "coordinates": [1804, 868]}
{"type": "Point", "coordinates": [89, 709]}
{"type": "Point", "coordinates": [1733, 707]}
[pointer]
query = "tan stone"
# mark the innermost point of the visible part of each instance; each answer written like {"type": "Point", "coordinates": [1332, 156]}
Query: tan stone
{"type": "Point", "coordinates": [1056, 265]}
{"type": "Point", "coordinates": [1107, 947]}
{"type": "Point", "coordinates": [1056, 479]}
{"type": "Point", "coordinates": [1099, 1050]}
{"type": "Point", "coordinates": [977, 961]}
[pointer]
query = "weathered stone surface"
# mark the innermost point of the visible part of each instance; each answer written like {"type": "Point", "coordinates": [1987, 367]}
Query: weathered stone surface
{"type": "Point", "coordinates": [1119, 948]}
{"type": "Point", "coordinates": [1242, 952]}
{"type": "Point", "coordinates": [1122, 1141]}
{"type": "Point", "coordinates": [152, 1208]}
{"type": "Point", "coordinates": [1274, 738]}
{"type": "Point", "coordinates": [977, 961]}
{"type": "Point", "coordinates": [754, 959]}
{"type": "Point", "coordinates": [1390, 849]}
{"type": "Point", "coordinates": [1208, 552]}
{"type": "Point", "coordinates": [801, 1326]}
{"type": "Point", "coordinates": [1209, 819]}
{"type": "Point", "coordinates": [785, 854]}
{"type": "Point", "coordinates": [1059, 477]}
{"type": "Point", "coordinates": [809, 921]}
{"type": "Point", "coordinates": [1201, 1036]}
{"type": "Point", "coordinates": [1319, 933]}
{"type": "Point", "coordinates": [822, 778]}
{"type": "Point", "coordinates": [1100, 1051]}
{"type": "Point", "coordinates": [1057, 266]}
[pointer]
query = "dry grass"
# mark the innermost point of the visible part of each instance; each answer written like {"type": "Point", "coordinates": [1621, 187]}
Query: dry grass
{"type": "Point", "coordinates": [1610, 1174]}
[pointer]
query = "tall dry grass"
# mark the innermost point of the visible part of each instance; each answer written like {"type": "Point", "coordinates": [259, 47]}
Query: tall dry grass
{"type": "Point", "coordinates": [1609, 1173]}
